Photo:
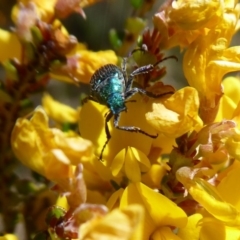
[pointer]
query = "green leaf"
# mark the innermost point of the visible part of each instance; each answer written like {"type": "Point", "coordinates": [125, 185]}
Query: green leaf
{"type": "Point", "coordinates": [114, 39]}
{"type": "Point", "coordinates": [54, 214]}
{"type": "Point", "coordinates": [36, 35]}
{"type": "Point", "coordinates": [11, 71]}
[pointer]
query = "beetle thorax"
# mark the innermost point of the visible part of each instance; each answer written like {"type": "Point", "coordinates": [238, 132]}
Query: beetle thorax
{"type": "Point", "coordinates": [108, 88]}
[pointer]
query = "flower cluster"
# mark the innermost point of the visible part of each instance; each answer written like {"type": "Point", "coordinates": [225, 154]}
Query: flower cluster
{"type": "Point", "coordinates": [182, 184]}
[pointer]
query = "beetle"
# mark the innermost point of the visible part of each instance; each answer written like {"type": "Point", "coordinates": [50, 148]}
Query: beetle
{"type": "Point", "coordinates": [112, 86]}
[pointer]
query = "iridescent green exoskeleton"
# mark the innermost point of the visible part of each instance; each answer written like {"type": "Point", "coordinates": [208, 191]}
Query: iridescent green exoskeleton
{"type": "Point", "coordinates": [112, 86]}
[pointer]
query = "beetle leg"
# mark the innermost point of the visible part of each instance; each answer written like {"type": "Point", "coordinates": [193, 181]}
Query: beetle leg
{"type": "Point", "coordinates": [149, 94]}
{"type": "Point", "coordinates": [148, 68]}
{"type": "Point", "coordinates": [124, 70]}
{"type": "Point", "coordinates": [130, 128]}
{"type": "Point", "coordinates": [108, 117]}
{"type": "Point", "coordinates": [144, 69]}
{"type": "Point", "coordinates": [138, 71]}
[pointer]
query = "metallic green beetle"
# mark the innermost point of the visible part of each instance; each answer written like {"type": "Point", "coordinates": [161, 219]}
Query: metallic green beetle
{"type": "Point", "coordinates": [112, 87]}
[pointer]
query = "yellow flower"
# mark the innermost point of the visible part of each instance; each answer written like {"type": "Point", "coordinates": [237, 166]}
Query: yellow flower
{"type": "Point", "coordinates": [91, 126]}
{"type": "Point", "coordinates": [26, 18]}
{"type": "Point", "coordinates": [119, 224]}
{"type": "Point", "coordinates": [216, 230]}
{"type": "Point", "coordinates": [229, 103]}
{"type": "Point", "coordinates": [59, 112]}
{"type": "Point", "coordinates": [164, 233]}
{"type": "Point", "coordinates": [177, 114]}
{"type": "Point", "coordinates": [159, 210]}
{"type": "Point", "coordinates": [230, 109]}
{"type": "Point", "coordinates": [233, 144]}
{"type": "Point", "coordinates": [45, 9]}
{"type": "Point", "coordinates": [182, 22]}
{"type": "Point", "coordinates": [204, 68]}
{"type": "Point", "coordinates": [9, 237]}
{"type": "Point", "coordinates": [192, 229]}
{"type": "Point", "coordinates": [47, 151]}
{"type": "Point", "coordinates": [209, 58]}
{"type": "Point", "coordinates": [10, 46]}
{"type": "Point", "coordinates": [205, 28]}
{"type": "Point", "coordinates": [90, 61]}
{"type": "Point", "coordinates": [97, 176]}
{"type": "Point", "coordinates": [133, 161]}
{"type": "Point", "coordinates": [153, 178]}
{"type": "Point", "coordinates": [234, 96]}
{"type": "Point", "coordinates": [213, 143]}
{"type": "Point", "coordinates": [82, 63]}
{"type": "Point", "coordinates": [221, 203]}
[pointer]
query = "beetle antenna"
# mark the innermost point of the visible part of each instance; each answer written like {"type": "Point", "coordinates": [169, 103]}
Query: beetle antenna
{"type": "Point", "coordinates": [143, 48]}
{"type": "Point", "coordinates": [163, 59]}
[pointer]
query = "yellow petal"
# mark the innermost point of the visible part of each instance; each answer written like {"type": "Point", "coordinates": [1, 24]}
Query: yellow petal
{"type": "Point", "coordinates": [86, 63]}
{"type": "Point", "coordinates": [91, 125]}
{"type": "Point", "coordinates": [160, 211]}
{"type": "Point", "coordinates": [236, 114]}
{"type": "Point", "coordinates": [134, 162]}
{"type": "Point", "coordinates": [25, 145]}
{"type": "Point", "coordinates": [118, 163]}
{"type": "Point", "coordinates": [192, 230]}
{"type": "Point", "coordinates": [8, 237]}
{"type": "Point", "coordinates": [46, 150]}
{"type": "Point", "coordinates": [164, 233]}
{"type": "Point", "coordinates": [45, 9]}
{"type": "Point", "coordinates": [154, 176]}
{"type": "Point", "coordinates": [232, 88]}
{"type": "Point", "coordinates": [228, 187]}
{"type": "Point", "coordinates": [132, 168]}
{"type": "Point", "coordinates": [182, 22]}
{"type": "Point", "coordinates": [208, 59]}
{"type": "Point", "coordinates": [232, 144]}
{"type": "Point", "coordinates": [229, 105]}
{"type": "Point", "coordinates": [114, 200]}
{"type": "Point", "coordinates": [96, 175]}
{"type": "Point", "coordinates": [90, 61]}
{"type": "Point", "coordinates": [165, 143]}
{"type": "Point", "coordinates": [59, 111]}
{"type": "Point", "coordinates": [142, 159]}
{"type": "Point", "coordinates": [191, 15]}
{"type": "Point", "coordinates": [219, 209]}
{"type": "Point", "coordinates": [216, 230]}
{"type": "Point", "coordinates": [124, 224]}
{"type": "Point", "coordinates": [226, 109]}
{"type": "Point", "coordinates": [62, 202]}
{"type": "Point", "coordinates": [210, 199]}
{"type": "Point", "coordinates": [176, 115]}
{"type": "Point", "coordinates": [10, 46]}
